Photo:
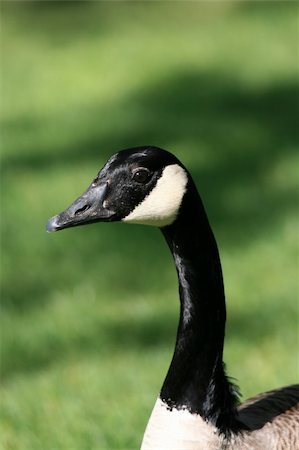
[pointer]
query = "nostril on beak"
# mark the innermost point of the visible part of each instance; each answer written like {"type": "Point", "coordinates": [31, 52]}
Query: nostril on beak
{"type": "Point", "coordinates": [81, 210]}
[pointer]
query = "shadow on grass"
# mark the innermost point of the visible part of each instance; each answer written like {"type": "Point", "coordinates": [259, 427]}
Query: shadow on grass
{"type": "Point", "coordinates": [126, 335]}
{"type": "Point", "coordinates": [202, 111]}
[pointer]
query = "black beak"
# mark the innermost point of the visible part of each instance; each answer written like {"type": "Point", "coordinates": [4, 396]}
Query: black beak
{"type": "Point", "coordinates": [86, 209]}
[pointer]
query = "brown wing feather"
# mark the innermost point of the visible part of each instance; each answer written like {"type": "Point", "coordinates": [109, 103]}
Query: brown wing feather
{"type": "Point", "coordinates": [255, 412]}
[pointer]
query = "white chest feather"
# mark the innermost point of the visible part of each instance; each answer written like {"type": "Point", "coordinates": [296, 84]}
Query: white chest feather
{"type": "Point", "coordinates": [161, 206]}
{"type": "Point", "coordinates": [178, 430]}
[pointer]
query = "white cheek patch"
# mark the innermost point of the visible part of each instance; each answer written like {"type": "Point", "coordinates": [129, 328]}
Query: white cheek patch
{"type": "Point", "coordinates": [161, 206]}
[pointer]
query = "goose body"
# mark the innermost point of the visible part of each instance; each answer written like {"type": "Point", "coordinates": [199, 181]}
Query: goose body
{"type": "Point", "coordinates": [198, 407]}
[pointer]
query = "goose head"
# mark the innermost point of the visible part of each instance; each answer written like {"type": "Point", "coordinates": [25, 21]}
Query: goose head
{"type": "Point", "coordinates": [144, 185]}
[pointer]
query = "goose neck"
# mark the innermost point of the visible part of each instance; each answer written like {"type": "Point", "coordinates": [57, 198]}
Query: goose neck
{"type": "Point", "coordinates": [196, 378]}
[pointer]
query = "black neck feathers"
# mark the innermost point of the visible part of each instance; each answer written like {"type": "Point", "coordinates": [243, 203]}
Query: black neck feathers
{"type": "Point", "coordinates": [196, 379]}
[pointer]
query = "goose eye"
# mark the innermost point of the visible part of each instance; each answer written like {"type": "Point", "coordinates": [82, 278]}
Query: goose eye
{"type": "Point", "coordinates": [141, 175]}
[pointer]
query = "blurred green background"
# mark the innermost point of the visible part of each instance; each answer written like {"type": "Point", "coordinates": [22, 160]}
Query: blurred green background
{"type": "Point", "coordinates": [89, 315]}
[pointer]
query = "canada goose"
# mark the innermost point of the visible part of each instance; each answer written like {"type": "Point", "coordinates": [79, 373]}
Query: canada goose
{"type": "Point", "coordinates": [197, 408]}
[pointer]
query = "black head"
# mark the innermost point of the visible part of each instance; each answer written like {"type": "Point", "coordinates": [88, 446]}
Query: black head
{"type": "Point", "coordinates": [140, 185]}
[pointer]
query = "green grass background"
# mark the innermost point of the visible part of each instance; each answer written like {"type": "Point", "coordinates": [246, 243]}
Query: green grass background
{"type": "Point", "coordinates": [89, 315]}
